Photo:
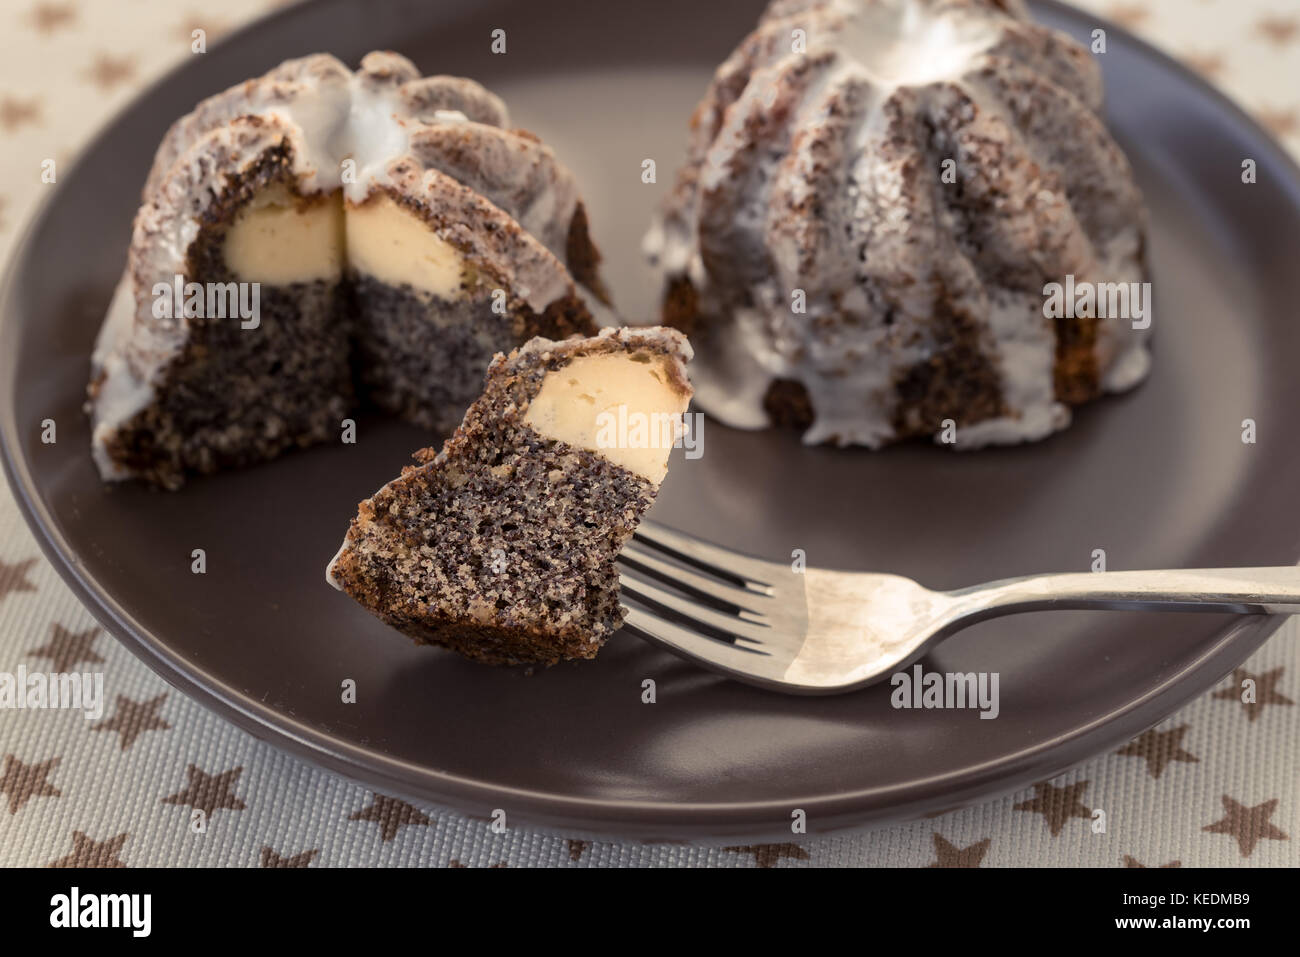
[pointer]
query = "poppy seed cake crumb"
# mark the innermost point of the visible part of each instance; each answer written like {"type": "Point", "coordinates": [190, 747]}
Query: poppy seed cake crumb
{"type": "Point", "coordinates": [501, 547]}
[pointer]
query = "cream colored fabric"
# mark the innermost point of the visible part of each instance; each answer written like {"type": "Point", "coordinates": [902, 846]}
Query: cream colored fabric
{"type": "Point", "coordinates": [1228, 773]}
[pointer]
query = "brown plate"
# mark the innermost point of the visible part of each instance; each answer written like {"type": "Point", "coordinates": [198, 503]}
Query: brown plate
{"type": "Point", "coordinates": [1158, 478]}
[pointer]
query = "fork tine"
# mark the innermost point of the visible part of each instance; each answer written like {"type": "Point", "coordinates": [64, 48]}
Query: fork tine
{"type": "Point", "coordinates": [735, 659]}
{"type": "Point", "coordinates": [710, 558]}
{"type": "Point", "coordinates": [748, 629]}
{"type": "Point", "coordinates": [684, 576]}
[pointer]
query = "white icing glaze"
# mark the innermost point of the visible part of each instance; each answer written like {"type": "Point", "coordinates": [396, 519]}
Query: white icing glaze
{"type": "Point", "coordinates": [906, 44]}
{"type": "Point", "coordinates": [339, 118]}
{"type": "Point", "coordinates": [1124, 351]}
{"type": "Point", "coordinates": [1026, 358]}
{"type": "Point", "coordinates": [329, 569]}
{"type": "Point", "coordinates": [121, 393]}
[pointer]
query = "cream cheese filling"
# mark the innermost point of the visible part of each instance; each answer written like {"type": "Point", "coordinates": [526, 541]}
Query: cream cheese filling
{"type": "Point", "coordinates": [279, 239]}
{"type": "Point", "coordinates": [622, 407]}
{"type": "Point", "coordinates": [397, 247]}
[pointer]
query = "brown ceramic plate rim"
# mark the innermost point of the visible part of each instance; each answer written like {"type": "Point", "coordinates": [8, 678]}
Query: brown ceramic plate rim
{"type": "Point", "coordinates": [857, 808]}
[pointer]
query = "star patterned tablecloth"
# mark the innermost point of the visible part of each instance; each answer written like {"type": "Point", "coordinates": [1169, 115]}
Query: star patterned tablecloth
{"type": "Point", "coordinates": [1214, 784]}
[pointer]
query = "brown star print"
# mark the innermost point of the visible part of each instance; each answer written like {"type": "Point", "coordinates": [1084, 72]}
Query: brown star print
{"type": "Point", "coordinates": [67, 649]}
{"type": "Point", "coordinates": [48, 17]}
{"type": "Point", "coordinates": [1265, 691]}
{"type": "Point", "coordinates": [272, 859]}
{"type": "Point", "coordinates": [107, 71]}
{"type": "Point", "coordinates": [1279, 30]}
{"type": "Point", "coordinates": [13, 578]}
{"type": "Point", "coordinates": [1280, 122]}
{"type": "Point", "coordinates": [209, 792]}
{"type": "Point", "coordinates": [1206, 64]}
{"type": "Point", "coordinates": [1130, 15]}
{"type": "Point", "coordinates": [15, 112]}
{"type": "Point", "coordinates": [1160, 748]}
{"type": "Point", "coordinates": [1057, 805]}
{"type": "Point", "coordinates": [134, 718]}
{"type": "Point", "coordinates": [91, 853]}
{"type": "Point", "coordinates": [1130, 861]}
{"type": "Point", "coordinates": [391, 815]}
{"type": "Point", "coordinates": [950, 855]}
{"type": "Point", "coordinates": [766, 855]}
{"type": "Point", "coordinates": [577, 848]}
{"type": "Point", "coordinates": [1249, 825]}
{"type": "Point", "coordinates": [22, 782]}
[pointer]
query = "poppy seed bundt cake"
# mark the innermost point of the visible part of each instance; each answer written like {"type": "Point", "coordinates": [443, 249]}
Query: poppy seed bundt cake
{"type": "Point", "coordinates": [876, 197]}
{"type": "Point", "coordinates": [390, 234]}
{"type": "Point", "coordinates": [501, 546]}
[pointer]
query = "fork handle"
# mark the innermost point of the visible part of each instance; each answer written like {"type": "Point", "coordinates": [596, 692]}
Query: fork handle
{"type": "Point", "coordinates": [1258, 591]}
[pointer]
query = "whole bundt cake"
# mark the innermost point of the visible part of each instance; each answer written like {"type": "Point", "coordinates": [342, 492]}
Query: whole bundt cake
{"type": "Point", "coordinates": [317, 237]}
{"type": "Point", "coordinates": [877, 198]}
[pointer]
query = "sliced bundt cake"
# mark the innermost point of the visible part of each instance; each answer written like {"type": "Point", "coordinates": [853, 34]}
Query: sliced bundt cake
{"type": "Point", "coordinates": [877, 197]}
{"type": "Point", "coordinates": [502, 545]}
{"type": "Point", "coordinates": [318, 236]}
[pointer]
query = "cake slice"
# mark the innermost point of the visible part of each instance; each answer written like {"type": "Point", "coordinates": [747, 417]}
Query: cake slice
{"type": "Point", "coordinates": [472, 241]}
{"type": "Point", "coordinates": [501, 547]}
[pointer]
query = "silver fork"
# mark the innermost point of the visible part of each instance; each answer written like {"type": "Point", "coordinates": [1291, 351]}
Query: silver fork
{"type": "Point", "coordinates": [825, 632]}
